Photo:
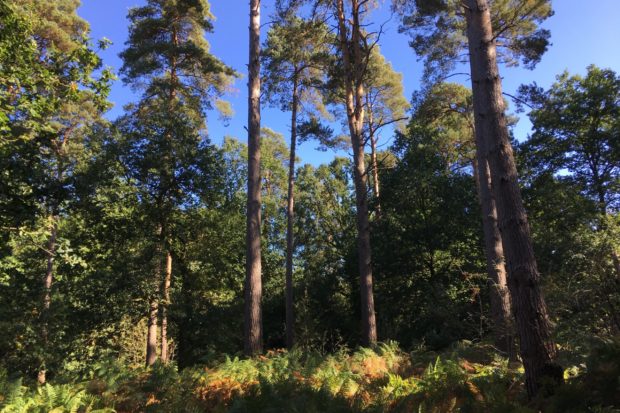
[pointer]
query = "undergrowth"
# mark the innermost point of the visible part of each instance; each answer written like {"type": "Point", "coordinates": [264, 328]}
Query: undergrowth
{"type": "Point", "coordinates": [468, 378]}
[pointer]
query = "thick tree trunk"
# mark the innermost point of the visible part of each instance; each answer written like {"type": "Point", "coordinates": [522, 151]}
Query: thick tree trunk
{"type": "Point", "coordinates": [503, 328]}
{"type": "Point", "coordinates": [354, 71]}
{"type": "Point", "coordinates": [48, 280]}
{"type": "Point", "coordinates": [537, 348]}
{"type": "Point", "coordinates": [290, 215]}
{"type": "Point", "coordinates": [151, 333]}
{"type": "Point", "coordinates": [253, 327]}
{"type": "Point", "coordinates": [164, 308]}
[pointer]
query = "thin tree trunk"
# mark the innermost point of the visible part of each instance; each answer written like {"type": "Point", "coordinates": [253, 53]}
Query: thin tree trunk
{"type": "Point", "coordinates": [373, 156]}
{"type": "Point", "coordinates": [253, 327]}
{"type": "Point", "coordinates": [151, 334]}
{"type": "Point", "coordinates": [496, 268]}
{"type": "Point", "coordinates": [354, 70]}
{"type": "Point", "coordinates": [48, 280]}
{"type": "Point", "coordinates": [290, 215]}
{"type": "Point", "coordinates": [375, 171]}
{"type": "Point", "coordinates": [164, 308]}
{"type": "Point", "coordinates": [184, 345]}
{"type": "Point", "coordinates": [165, 290]}
{"type": "Point", "coordinates": [537, 348]}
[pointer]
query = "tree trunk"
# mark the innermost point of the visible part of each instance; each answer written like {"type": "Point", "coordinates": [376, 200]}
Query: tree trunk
{"type": "Point", "coordinates": [164, 308]}
{"type": "Point", "coordinates": [369, 326]}
{"type": "Point", "coordinates": [47, 297]}
{"type": "Point", "coordinates": [373, 155]}
{"type": "Point", "coordinates": [290, 215]}
{"type": "Point", "coordinates": [151, 334]}
{"type": "Point", "coordinates": [375, 171]}
{"type": "Point", "coordinates": [537, 348]}
{"type": "Point", "coordinates": [499, 296]}
{"type": "Point", "coordinates": [253, 327]}
{"type": "Point", "coordinates": [184, 345]}
{"type": "Point", "coordinates": [354, 71]}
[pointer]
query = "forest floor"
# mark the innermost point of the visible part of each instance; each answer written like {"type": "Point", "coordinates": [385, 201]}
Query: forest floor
{"type": "Point", "coordinates": [467, 378]}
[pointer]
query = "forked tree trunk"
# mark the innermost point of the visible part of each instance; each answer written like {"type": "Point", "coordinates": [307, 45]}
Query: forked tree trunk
{"type": "Point", "coordinates": [48, 280]}
{"type": "Point", "coordinates": [290, 216]}
{"type": "Point", "coordinates": [253, 323]}
{"type": "Point", "coordinates": [164, 308]}
{"type": "Point", "coordinates": [503, 327]}
{"type": "Point", "coordinates": [354, 64]}
{"type": "Point", "coordinates": [537, 348]}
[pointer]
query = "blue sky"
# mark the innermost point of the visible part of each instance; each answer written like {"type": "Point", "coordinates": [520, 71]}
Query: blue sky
{"type": "Point", "coordinates": [583, 33]}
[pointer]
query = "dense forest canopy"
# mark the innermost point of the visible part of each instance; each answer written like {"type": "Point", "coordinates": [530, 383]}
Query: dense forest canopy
{"type": "Point", "coordinates": [435, 262]}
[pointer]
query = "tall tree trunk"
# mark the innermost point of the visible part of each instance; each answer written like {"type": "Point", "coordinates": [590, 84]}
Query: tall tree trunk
{"type": "Point", "coordinates": [537, 348]}
{"type": "Point", "coordinates": [253, 326]}
{"type": "Point", "coordinates": [151, 333]}
{"type": "Point", "coordinates": [165, 290]}
{"type": "Point", "coordinates": [184, 344]}
{"type": "Point", "coordinates": [373, 156]}
{"type": "Point", "coordinates": [375, 171]}
{"type": "Point", "coordinates": [354, 71]}
{"type": "Point", "coordinates": [369, 325]}
{"type": "Point", "coordinates": [494, 252]}
{"type": "Point", "coordinates": [48, 280]}
{"type": "Point", "coordinates": [164, 308]}
{"type": "Point", "coordinates": [290, 215]}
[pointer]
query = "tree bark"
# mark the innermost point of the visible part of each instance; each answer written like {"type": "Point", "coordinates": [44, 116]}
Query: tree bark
{"type": "Point", "coordinates": [164, 308]}
{"type": "Point", "coordinates": [373, 155]}
{"type": "Point", "coordinates": [48, 280]}
{"type": "Point", "coordinates": [375, 170]}
{"type": "Point", "coordinates": [503, 328]}
{"type": "Point", "coordinates": [253, 327]}
{"type": "Point", "coordinates": [151, 333]}
{"type": "Point", "coordinates": [290, 215]}
{"type": "Point", "coordinates": [354, 95]}
{"type": "Point", "coordinates": [537, 349]}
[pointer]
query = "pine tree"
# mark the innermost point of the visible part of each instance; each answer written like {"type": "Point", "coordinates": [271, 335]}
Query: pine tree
{"type": "Point", "coordinates": [448, 107]}
{"type": "Point", "coordinates": [385, 105]}
{"type": "Point", "coordinates": [295, 54]}
{"type": "Point", "coordinates": [253, 319]}
{"type": "Point", "coordinates": [354, 52]}
{"type": "Point", "coordinates": [167, 56]}
{"type": "Point", "coordinates": [441, 33]}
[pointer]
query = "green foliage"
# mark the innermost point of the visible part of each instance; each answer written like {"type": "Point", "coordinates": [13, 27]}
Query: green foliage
{"type": "Point", "coordinates": [372, 381]}
{"type": "Point", "coordinates": [62, 398]}
{"type": "Point", "coordinates": [431, 214]}
{"type": "Point", "coordinates": [571, 176]}
{"type": "Point", "coordinates": [168, 55]}
{"type": "Point", "coordinates": [576, 129]}
{"type": "Point", "coordinates": [438, 32]}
